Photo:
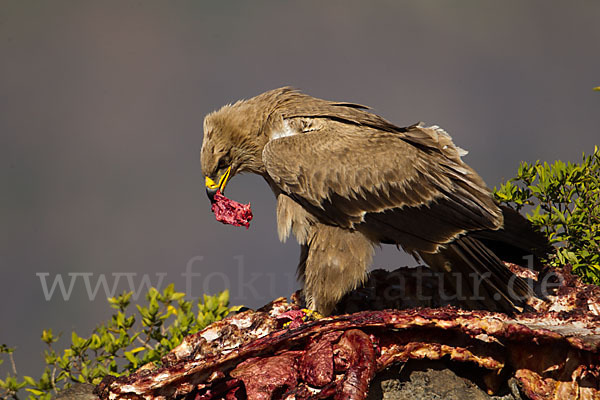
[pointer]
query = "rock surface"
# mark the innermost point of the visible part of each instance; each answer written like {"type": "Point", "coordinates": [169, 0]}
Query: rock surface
{"type": "Point", "coordinates": [429, 380]}
{"type": "Point", "coordinates": [282, 352]}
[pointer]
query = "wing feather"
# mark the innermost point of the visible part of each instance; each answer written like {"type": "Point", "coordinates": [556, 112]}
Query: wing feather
{"type": "Point", "coordinates": [408, 187]}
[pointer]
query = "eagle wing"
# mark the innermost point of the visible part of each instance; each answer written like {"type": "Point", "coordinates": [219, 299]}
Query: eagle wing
{"type": "Point", "coordinates": [405, 185]}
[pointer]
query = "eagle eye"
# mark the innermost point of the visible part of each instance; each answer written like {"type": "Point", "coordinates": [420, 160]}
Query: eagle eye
{"type": "Point", "coordinates": [223, 162]}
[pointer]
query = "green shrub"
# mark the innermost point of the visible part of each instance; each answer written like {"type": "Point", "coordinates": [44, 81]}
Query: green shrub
{"type": "Point", "coordinates": [126, 342]}
{"type": "Point", "coordinates": [563, 201]}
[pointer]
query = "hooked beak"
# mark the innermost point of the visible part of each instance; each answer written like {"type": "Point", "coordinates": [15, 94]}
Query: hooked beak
{"type": "Point", "coordinates": [212, 187]}
{"type": "Point", "coordinates": [211, 194]}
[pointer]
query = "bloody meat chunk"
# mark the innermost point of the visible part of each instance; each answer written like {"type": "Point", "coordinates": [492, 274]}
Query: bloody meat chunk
{"type": "Point", "coordinates": [230, 211]}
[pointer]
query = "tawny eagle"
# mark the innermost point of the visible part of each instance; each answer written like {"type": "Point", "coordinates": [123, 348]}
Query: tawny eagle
{"type": "Point", "coordinates": [346, 180]}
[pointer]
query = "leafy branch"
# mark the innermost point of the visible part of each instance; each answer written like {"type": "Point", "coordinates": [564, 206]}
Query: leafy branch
{"type": "Point", "coordinates": [563, 201]}
{"type": "Point", "coordinates": [128, 340]}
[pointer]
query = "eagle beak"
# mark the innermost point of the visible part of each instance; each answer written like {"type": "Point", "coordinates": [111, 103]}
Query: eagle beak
{"type": "Point", "coordinates": [211, 194]}
{"type": "Point", "coordinates": [212, 187]}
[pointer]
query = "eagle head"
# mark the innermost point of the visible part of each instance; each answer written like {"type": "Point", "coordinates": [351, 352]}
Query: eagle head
{"type": "Point", "coordinates": [232, 143]}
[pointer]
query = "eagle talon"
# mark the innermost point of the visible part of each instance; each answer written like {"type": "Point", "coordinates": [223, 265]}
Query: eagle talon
{"type": "Point", "coordinates": [299, 317]}
{"type": "Point", "coordinates": [312, 314]}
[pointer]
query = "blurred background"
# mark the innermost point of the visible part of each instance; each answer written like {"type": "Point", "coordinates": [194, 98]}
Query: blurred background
{"type": "Point", "coordinates": [101, 109]}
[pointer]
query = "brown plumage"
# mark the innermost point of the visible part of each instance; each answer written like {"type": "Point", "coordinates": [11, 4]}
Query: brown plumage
{"type": "Point", "coordinates": [346, 179]}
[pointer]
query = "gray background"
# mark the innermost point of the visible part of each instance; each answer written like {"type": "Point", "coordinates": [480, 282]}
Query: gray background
{"type": "Point", "coordinates": [101, 108]}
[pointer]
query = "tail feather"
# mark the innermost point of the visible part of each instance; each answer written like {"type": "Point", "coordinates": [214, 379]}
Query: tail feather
{"type": "Point", "coordinates": [517, 242]}
{"type": "Point", "coordinates": [483, 253]}
{"type": "Point", "coordinates": [479, 277]}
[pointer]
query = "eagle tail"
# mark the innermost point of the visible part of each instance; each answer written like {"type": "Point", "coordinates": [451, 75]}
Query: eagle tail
{"type": "Point", "coordinates": [517, 242]}
{"type": "Point", "coordinates": [478, 277]}
{"type": "Point", "coordinates": [476, 264]}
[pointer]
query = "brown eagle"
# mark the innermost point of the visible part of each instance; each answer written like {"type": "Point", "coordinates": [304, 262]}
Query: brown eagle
{"type": "Point", "coordinates": [346, 180]}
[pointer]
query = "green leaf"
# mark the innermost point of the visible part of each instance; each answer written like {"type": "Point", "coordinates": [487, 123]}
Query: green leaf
{"type": "Point", "coordinates": [224, 297]}
{"type": "Point", "coordinates": [30, 381]}
{"type": "Point", "coordinates": [177, 296]}
{"type": "Point", "coordinates": [132, 359]}
{"type": "Point", "coordinates": [137, 350]}
{"type": "Point", "coordinates": [47, 336]}
{"type": "Point", "coordinates": [169, 290]}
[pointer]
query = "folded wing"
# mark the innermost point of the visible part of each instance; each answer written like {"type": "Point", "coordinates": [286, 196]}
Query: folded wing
{"type": "Point", "coordinates": [407, 186]}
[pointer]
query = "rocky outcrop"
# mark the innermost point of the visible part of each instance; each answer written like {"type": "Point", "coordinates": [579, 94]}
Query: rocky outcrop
{"type": "Point", "coordinates": [282, 352]}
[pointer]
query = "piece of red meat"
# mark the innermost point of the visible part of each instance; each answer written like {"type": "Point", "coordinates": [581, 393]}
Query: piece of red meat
{"type": "Point", "coordinates": [230, 211]}
{"type": "Point", "coordinates": [360, 361]}
{"type": "Point", "coordinates": [316, 364]}
{"type": "Point", "coordinates": [263, 377]}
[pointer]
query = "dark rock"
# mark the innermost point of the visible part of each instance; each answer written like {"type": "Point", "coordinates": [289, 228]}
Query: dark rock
{"type": "Point", "coordinates": [429, 380]}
